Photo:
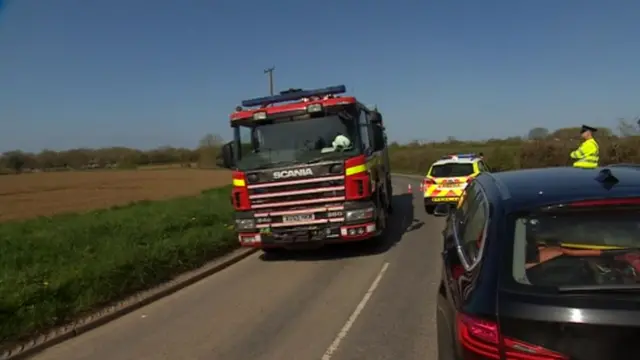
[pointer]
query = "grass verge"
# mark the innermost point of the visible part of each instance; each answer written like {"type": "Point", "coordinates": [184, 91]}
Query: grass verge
{"type": "Point", "coordinates": [54, 269]}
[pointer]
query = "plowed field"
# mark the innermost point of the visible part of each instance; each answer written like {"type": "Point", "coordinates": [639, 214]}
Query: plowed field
{"type": "Point", "coordinates": [30, 195]}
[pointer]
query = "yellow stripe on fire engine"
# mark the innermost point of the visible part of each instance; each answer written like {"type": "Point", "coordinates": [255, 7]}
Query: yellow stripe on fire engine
{"type": "Point", "coordinates": [238, 182]}
{"type": "Point", "coordinates": [355, 169]}
{"type": "Point", "coordinates": [362, 168]}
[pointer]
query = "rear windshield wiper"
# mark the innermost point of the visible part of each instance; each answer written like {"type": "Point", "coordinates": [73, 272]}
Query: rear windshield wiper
{"type": "Point", "coordinates": [611, 288]}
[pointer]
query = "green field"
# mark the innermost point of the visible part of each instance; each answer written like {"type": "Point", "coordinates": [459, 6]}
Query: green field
{"type": "Point", "coordinates": [54, 269]}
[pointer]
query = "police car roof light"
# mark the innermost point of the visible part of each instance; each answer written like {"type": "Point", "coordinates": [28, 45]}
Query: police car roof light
{"type": "Point", "coordinates": [460, 156]}
{"type": "Point", "coordinates": [294, 95]}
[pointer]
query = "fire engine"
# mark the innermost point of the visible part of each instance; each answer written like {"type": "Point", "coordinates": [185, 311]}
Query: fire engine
{"type": "Point", "coordinates": [309, 167]}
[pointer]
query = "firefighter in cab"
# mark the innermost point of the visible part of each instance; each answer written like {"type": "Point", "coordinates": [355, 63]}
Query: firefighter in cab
{"type": "Point", "coordinates": [587, 155]}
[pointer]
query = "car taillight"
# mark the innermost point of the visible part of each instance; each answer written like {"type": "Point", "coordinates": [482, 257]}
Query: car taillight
{"type": "Point", "coordinates": [425, 184]}
{"type": "Point", "coordinates": [481, 339]}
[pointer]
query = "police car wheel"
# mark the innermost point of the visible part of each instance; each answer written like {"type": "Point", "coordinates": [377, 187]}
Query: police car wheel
{"type": "Point", "coordinates": [429, 209]}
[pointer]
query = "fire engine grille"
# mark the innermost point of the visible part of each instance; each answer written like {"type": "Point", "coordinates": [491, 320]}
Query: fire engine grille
{"type": "Point", "coordinates": [301, 193]}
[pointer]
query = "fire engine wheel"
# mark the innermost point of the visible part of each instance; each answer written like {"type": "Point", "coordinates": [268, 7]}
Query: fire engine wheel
{"type": "Point", "coordinates": [389, 197]}
{"type": "Point", "coordinates": [381, 224]}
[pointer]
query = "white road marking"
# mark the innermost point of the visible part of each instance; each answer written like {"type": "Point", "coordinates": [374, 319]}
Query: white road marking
{"type": "Point", "coordinates": [352, 319]}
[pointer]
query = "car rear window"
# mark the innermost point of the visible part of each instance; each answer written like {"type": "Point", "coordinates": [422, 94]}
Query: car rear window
{"type": "Point", "coordinates": [451, 170]}
{"type": "Point", "coordinates": [578, 248]}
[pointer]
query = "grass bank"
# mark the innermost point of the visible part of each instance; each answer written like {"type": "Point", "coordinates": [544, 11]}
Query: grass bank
{"type": "Point", "coordinates": [56, 268]}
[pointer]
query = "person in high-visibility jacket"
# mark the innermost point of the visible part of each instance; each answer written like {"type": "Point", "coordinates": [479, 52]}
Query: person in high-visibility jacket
{"type": "Point", "coordinates": [587, 155]}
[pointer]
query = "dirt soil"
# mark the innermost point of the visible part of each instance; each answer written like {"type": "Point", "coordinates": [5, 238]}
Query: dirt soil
{"type": "Point", "coordinates": [30, 195]}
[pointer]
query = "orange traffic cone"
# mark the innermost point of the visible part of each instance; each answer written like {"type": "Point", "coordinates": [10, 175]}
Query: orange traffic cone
{"type": "Point", "coordinates": [409, 190]}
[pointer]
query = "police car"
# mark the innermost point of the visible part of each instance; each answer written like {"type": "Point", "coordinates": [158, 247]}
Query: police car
{"type": "Point", "coordinates": [448, 177]}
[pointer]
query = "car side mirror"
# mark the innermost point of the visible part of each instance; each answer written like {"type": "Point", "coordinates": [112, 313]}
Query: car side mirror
{"type": "Point", "coordinates": [368, 151]}
{"type": "Point", "coordinates": [442, 210]}
{"type": "Point", "coordinates": [227, 156]}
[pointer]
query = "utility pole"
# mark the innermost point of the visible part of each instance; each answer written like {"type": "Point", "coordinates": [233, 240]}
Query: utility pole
{"type": "Point", "coordinates": [270, 72]}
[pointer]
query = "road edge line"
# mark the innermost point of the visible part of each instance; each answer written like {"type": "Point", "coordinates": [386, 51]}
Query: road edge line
{"type": "Point", "coordinates": [354, 315]}
{"type": "Point", "coordinates": [124, 307]}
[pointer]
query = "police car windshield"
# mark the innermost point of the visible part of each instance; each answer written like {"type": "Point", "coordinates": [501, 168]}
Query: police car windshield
{"type": "Point", "coordinates": [452, 170]}
{"type": "Point", "coordinates": [298, 141]}
{"type": "Point", "coordinates": [597, 247]}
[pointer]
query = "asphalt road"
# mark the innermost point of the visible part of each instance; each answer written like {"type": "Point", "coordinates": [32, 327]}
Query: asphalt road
{"type": "Point", "coordinates": [347, 302]}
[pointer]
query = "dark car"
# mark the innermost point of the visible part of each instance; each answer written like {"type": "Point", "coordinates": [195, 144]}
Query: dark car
{"type": "Point", "coordinates": [543, 264]}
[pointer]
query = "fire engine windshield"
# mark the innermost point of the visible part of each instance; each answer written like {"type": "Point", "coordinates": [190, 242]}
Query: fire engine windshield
{"type": "Point", "coordinates": [285, 141]}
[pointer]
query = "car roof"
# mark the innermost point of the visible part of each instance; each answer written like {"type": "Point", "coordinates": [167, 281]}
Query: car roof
{"type": "Point", "coordinates": [532, 188]}
{"type": "Point", "coordinates": [457, 161]}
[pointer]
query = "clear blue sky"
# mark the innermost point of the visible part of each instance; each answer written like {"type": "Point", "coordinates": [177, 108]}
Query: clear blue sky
{"type": "Point", "coordinates": [148, 73]}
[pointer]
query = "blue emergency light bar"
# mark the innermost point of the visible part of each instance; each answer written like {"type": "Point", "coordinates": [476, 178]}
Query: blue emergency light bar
{"type": "Point", "coordinates": [292, 96]}
{"type": "Point", "coordinates": [461, 156]}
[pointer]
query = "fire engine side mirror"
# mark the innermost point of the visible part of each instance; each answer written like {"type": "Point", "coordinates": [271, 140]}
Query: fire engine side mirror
{"type": "Point", "coordinates": [379, 141]}
{"type": "Point", "coordinates": [227, 155]}
{"type": "Point", "coordinates": [376, 117]}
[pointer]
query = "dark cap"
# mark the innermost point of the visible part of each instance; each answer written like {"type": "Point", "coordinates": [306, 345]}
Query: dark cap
{"type": "Point", "coordinates": [587, 128]}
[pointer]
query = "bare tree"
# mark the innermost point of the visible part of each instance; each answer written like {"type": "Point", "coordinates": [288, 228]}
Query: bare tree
{"type": "Point", "coordinates": [629, 128]}
{"type": "Point", "coordinates": [538, 133]}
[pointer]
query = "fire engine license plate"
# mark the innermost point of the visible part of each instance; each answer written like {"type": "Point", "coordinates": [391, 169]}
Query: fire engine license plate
{"type": "Point", "coordinates": [296, 218]}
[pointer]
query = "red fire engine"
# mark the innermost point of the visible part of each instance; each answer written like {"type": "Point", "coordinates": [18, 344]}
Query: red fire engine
{"type": "Point", "coordinates": [309, 168]}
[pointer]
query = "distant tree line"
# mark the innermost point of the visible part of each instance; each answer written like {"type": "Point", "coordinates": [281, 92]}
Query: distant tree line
{"type": "Point", "coordinates": [625, 128]}
{"type": "Point", "coordinates": [205, 155]}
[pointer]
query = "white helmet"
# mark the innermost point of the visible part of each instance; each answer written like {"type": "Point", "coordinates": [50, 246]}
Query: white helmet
{"type": "Point", "coordinates": [341, 141]}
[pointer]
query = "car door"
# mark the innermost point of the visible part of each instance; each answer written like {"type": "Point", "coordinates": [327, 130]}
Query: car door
{"type": "Point", "coordinates": [450, 295]}
{"type": "Point", "coordinates": [462, 262]}
{"type": "Point", "coordinates": [470, 236]}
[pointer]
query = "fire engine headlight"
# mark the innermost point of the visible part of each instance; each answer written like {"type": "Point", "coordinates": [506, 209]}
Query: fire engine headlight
{"type": "Point", "coordinates": [313, 108]}
{"type": "Point", "coordinates": [252, 177]}
{"type": "Point", "coordinates": [245, 224]}
{"type": "Point", "coordinates": [360, 214]}
{"type": "Point", "coordinates": [259, 116]}
{"type": "Point", "coordinates": [336, 169]}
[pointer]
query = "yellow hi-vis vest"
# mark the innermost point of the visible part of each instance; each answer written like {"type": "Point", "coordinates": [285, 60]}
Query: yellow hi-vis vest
{"type": "Point", "coordinates": [587, 155]}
